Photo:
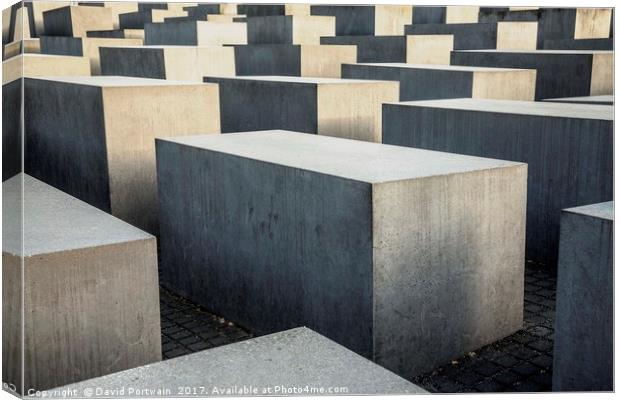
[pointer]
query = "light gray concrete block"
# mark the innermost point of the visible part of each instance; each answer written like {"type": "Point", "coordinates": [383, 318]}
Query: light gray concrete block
{"type": "Point", "coordinates": [603, 100]}
{"type": "Point", "coordinates": [86, 282]}
{"type": "Point", "coordinates": [416, 255]}
{"type": "Point", "coordinates": [295, 362]}
{"type": "Point", "coordinates": [568, 149]}
{"type": "Point", "coordinates": [583, 356]}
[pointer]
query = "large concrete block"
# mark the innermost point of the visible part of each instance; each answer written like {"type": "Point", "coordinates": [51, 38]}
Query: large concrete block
{"type": "Point", "coordinates": [138, 19]}
{"type": "Point", "coordinates": [82, 286]}
{"type": "Point", "coordinates": [76, 20]}
{"type": "Point", "coordinates": [21, 46]}
{"type": "Point", "coordinates": [568, 149]}
{"type": "Point", "coordinates": [293, 60]}
{"type": "Point", "coordinates": [429, 49]}
{"type": "Point", "coordinates": [252, 10]}
{"type": "Point", "coordinates": [226, 18]}
{"type": "Point", "coordinates": [379, 19]}
{"type": "Point", "coordinates": [466, 36]}
{"type": "Point", "coordinates": [345, 108]}
{"type": "Point", "coordinates": [600, 100]}
{"type": "Point", "coordinates": [296, 9]}
{"type": "Point", "coordinates": [260, 367]}
{"type": "Point", "coordinates": [117, 34]}
{"type": "Point", "coordinates": [579, 44]}
{"type": "Point", "coordinates": [12, 114]}
{"type": "Point", "coordinates": [445, 15]}
{"type": "Point", "coordinates": [583, 354]}
{"type": "Point", "coordinates": [517, 35]}
{"type": "Point", "coordinates": [372, 49]}
{"type": "Point", "coordinates": [279, 227]}
{"type": "Point", "coordinates": [559, 73]}
{"type": "Point", "coordinates": [287, 29]}
{"type": "Point", "coordinates": [32, 64]}
{"type": "Point", "coordinates": [196, 33]}
{"type": "Point", "coordinates": [94, 137]}
{"type": "Point", "coordinates": [36, 10]}
{"type": "Point", "coordinates": [184, 63]}
{"type": "Point", "coordinates": [83, 46]}
{"type": "Point", "coordinates": [426, 81]}
{"type": "Point", "coordinates": [202, 9]}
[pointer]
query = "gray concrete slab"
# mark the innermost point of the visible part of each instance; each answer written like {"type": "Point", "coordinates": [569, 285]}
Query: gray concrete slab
{"type": "Point", "coordinates": [584, 335]}
{"type": "Point", "coordinates": [374, 49]}
{"type": "Point", "coordinates": [600, 100]}
{"type": "Point", "coordinates": [280, 226]}
{"type": "Point", "coordinates": [11, 129]}
{"type": "Point", "coordinates": [280, 364]}
{"type": "Point", "coordinates": [466, 36]}
{"type": "Point", "coordinates": [83, 287]}
{"type": "Point", "coordinates": [350, 19]}
{"type": "Point", "coordinates": [579, 44]}
{"type": "Point", "coordinates": [568, 149]}
{"type": "Point", "coordinates": [195, 33]}
{"type": "Point", "coordinates": [289, 29]}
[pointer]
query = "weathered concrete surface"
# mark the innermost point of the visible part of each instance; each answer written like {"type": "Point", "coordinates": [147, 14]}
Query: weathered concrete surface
{"type": "Point", "coordinates": [426, 81]}
{"type": "Point", "coordinates": [559, 73]}
{"type": "Point", "coordinates": [583, 356]}
{"type": "Point", "coordinates": [227, 18]}
{"type": "Point", "coordinates": [186, 63]}
{"type": "Point", "coordinates": [296, 224]}
{"type": "Point", "coordinates": [195, 33]}
{"type": "Point", "coordinates": [252, 10]}
{"type": "Point", "coordinates": [11, 128]}
{"type": "Point", "coordinates": [374, 49]}
{"type": "Point", "coordinates": [95, 139]}
{"type": "Point", "coordinates": [296, 9]}
{"type": "Point", "coordinates": [579, 44]}
{"type": "Point", "coordinates": [445, 15]}
{"type": "Point", "coordinates": [202, 9]}
{"type": "Point", "coordinates": [354, 20]}
{"type": "Point", "coordinates": [137, 20]}
{"type": "Point", "coordinates": [517, 35]}
{"type": "Point", "coordinates": [35, 14]}
{"type": "Point", "coordinates": [76, 20]}
{"type": "Point", "coordinates": [429, 49]}
{"type": "Point", "coordinates": [84, 46]}
{"type": "Point", "coordinates": [568, 149]}
{"type": "Point", "coordinates": [293, 60]}
{"type": "Point", "coordinates": [466, 36]}
{"type": "Point", "coordinates": [117, 34]}
{"type": "Point", "coordinates": [20, 47]}
{"type": "Point", "coordinates": [287, 29]}
{"type": "Point", "coordinates": [90, 288]}
{"type": "Point", "coordinates": [607, 100]}
{"type": "Point", "coordinates": [261, 367]}
{"type": "Point", "coordinates": [326, 106]}
{"type": "Point", "coordinates": [32, 64]}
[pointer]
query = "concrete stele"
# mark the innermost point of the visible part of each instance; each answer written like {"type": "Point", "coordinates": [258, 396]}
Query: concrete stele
{"type": "Point", "coordinates": [517, 35]}
{"type": "Point", "coordinates": [429, 49]}
{"type": "Point", "coordinates": [33, 65]}
{"type": "Point", "coordinates": [196, 33]}
{"type": "Point", "coordinates": [76, 20]}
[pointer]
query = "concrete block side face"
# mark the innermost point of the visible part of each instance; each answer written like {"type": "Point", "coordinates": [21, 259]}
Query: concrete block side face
{"type": "Point", "coordinates": [429, 49]}
{"type": "Point", "coordinates": [570, 161]}
{"type": "Point", "coordinates": [134, 117]}
{"type": "Point", "coordinates": [308, 30]}
{"type": "Point", "coordinates": [353, 111]}
{"type": "Point", "coordinates": [448, 254]}
{"type": "Point", "coordinates": [268, 60]}
{"type": "Point", "coordinates": [172, 33]}
{"type": "Point", "coordinates": [584, 314]}
{"type": "Point", "coordinates": [593, 23]}
{"type": "Point", "coordinates": [12, 338]}
{"type": "Point", "coordinates": [296, 9]}
{"type": "Point", "coordinates": [326, 61]}
{"type": "Point", "coordinates": [144, 62]}
{"type": "Point", "coordinates": [462, 14]}
{"type": "Point", "coordinates": [466, 36]}
{"type": "Point", "coordinates": [60, 45]}
{"type": "Point", "coordinates": [283, 105]}
{"type": "Point", "coordinates": [517, 35]}
{"type": "Point", "coordinates": [556, 23]}
{"type": "Point", "coordinates": [374, 49]}
{"type": "Point", "coordinates": [11, 129]}
{"type": "Point", "coordinates": [257, 10]}
{"type": "Point", "coordinates": [270, 30]}
{"type": "Point", "coordinates": [90, 18]}
{"type": "Point", "coordinates": [214, 60]}
{"type": "Point", "coordinates": [33, 65]}
{"type": "Point", "coordinates": [65, 143]}
{"type": "Point", "coordinates": [91, 48]}
{"type": "Point", "coordinates": [58, 22]}
{"type": "Point", "coordinates": [220, 33]}
{"type": "Point", "coordinates": [350, 20]}
{"type": "Point", "coordinates": [602, 81]}
{"type": "Point", "coordinates": [113, 318]}
{"type": "Point", "coordinates": [261, 231]}
{"type": "Point", "coordinates": [429, 15]}
{"type": "Point", "coordinates": [391, 19]}
{"type": "Point", "coordinates": [505, 85]}
{"type": "Point", "coordinates": [579, 44]}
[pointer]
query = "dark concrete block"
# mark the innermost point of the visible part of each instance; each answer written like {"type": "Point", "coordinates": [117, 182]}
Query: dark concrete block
{"type": "Point", "coordinates": [568, 149]}
{"type": "Point", "coordinates": [11, 129]}
{"type": "Point", "coordinates": [466, 36]}
{"type": "Point", "coordinates": [288, 29]}
{"type": "Point", "coordinates": [583, 356]}
{"type": "Point", "coordinates": [559, 73]}
{"type": "Point", "coordinates": [195, 33]}
{"type": "Point", "coordinates": [202, 9]}
{"type": "Point", "coordinates": [152, 6]}
{"type": "Point", "coordinates": [117, 34]}
{"type": "Point", "coordinates": [76, 20]}
{"type": "Point", "coordinates": [429, 15]}
{"type": "Point", "coordinates": [258, 10]}
{"type": "Point", "coordinates": [350, 20]}
{"type": "Point", "coordinates": [579, 44]}
{"type": "Point", "coordinates": [374, 49]}
{"type": "Point", "coordinates": [607, 100]}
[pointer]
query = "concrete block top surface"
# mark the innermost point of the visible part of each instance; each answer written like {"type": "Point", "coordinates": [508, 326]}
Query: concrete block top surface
{"type": "Point", "coordinates": [440, 67]}
{"type": "Point", "coordinates": [349, 159]}
{"type": "Point", "coordinates": [599, 210]}
{"type": "Point", "coordinates": [54, 221]}
{"type": "Point", "coordinates": [307, 80]}
{"type": "Point", "coordinates": [116, 81]}
{"type": "Point", "coordinates": [606, 98]}
{"type": "Point", "coordinates": [536, 51]}
{"type": "Point", "coordinates": [295, 358]}
{"type": "Point", "coordinates": [539, 108]}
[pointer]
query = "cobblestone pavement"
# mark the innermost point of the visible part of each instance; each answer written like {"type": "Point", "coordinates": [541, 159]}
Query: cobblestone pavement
{"type": "Point", "coordinates": [521, 362]}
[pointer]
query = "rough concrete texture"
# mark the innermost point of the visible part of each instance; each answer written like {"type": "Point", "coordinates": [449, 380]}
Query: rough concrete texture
{"type": "Point", "coordinates": [579, 44]}
{"type": "Point", "coordinates": [95, 140]}
{"type": "Point", "coordinates": [20, 47]}
{"type": "Point", "coordinates": [445, 14]}
{"type": "Point", "coordinates": [607, 100]}
{"type": "Point", "coordinates": [35, 14]}
{"type": "Point", "coordinates": [517, 35]}
{"type": "Point", "coordinates": [583, 357]}
{"type": "Point", "coordinates": [429, 49]}
{"type": "Point", "coordinates": [263, 367]}
{"type": "Point", "coordinates": [466, 36]}
{"type": "Point", "coordinates": [346, 108]}
{"type": "Point", "coordinates": [378, 19]}
{"type": "Point", "coordinates": [559, 73]}
{"type": "Point", "coordinates": [118, 34]}
{"type": "Point", "coordinates": [263, 235]}
{"type": "Point", "coordinates": [137, 20]}
{"type": "Point", "coordinates": [11, 129]}
{"type": "Point", "coordinates": [33, 64]}
{"type": "Point", "coordinates": [76, 20]}
{"type": "Point", "coordinates": [427, 81]}
{"type": "Point", "coordinates": [186, 63]}
{"type": "Point", "coordinates": [323, 61]}
{"type": "Point", "coordinates": [84, 46]}
{"type": "Point", "coordinates": [287, 29]}
{"type": "Point", "coordinates": [568, 149]}
{"type": "Point", "coordinates": [90, 289]}
{"type": "Point", "coordinates": [252, 10]}
{"type": "Point", "coordinates": [374, 49]}
{"type": "Point", "coordinates": [195, 33]}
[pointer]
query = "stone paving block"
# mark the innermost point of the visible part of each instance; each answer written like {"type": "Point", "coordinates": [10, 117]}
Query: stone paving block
{"type": "Point", "coordinates": [323, 61]}
{"type": "Point", "coordinates": [466, 36]}
{"type": "Point", "coordinates": [83, 46]}
{"type": "Point", "coordinates": [583, 357]}
{"type": "Point", "coordinates": [20, 47]}
{"type": "Point", "coordinates": [138, 19]}
{"type": "Point", "coordinates": [95, 139]}
{"type": "Point", "coordinates": [445, 14]}
{"type": "Point", "coordinates": [379, 19]}
{"type": "Point", "coordinates": [117, 34]}
{"type": "Point", "coordinates": [289, 194]}
{"type": "Point", "coordinates": [517, 35]}
{"type": "Point", "coordinates": [287, 29]}
{"type": "Point", "coordinates": [579, 44]}
{"type": "Point", "coordinates": [185, 63]}
{"type": "Point", "coordinates": [90, 289]}
{"type": "Point", "coordinates": [260, 366]}
{"type": "Point", "coordinates": [559, 73]}
{"type": "Point", "coordinates": [32, 64]}
{"type": "Point", "coordinates": [600, 100]}
{"type": "Point", "coordinates": [426, 81]}
{"type": "Point", "coordinates": [568, 149]}
{"type": "Point", "coordinates": [429, 49]}
{"type": "Point", "coordinates": [195, 33]}
{"type": "Point", "coordinates": [345, 108]}
{"type": "Point", "coordinates": [76, 20]}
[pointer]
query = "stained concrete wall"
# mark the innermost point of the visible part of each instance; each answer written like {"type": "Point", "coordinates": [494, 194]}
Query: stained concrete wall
{"type": "Point", "coordinates": [374, 48]}
{"type": "Point", "coordinates": [11, 129]}
{"type": "Point", "coordinates": [429, 15]}
{"type": "Point", "coordinates": [350, 20]}
{"type": "Point", "coordinates": [579, 44]}
{"type": "Point", "coordinates": [466, 36]}
{"type": "Point", "coordinates": [268, 59]}
{"type": "Point", "coordinates": [583, 355]}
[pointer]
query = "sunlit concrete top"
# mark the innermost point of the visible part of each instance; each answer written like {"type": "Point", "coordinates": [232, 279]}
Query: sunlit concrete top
{"type": "Point", "coordinates": [604, 98]}
{"type": "Point", "coordinates": [115, 81]}
{"type": "Point", "coordinates": [440, 67]}
{"type": "Point", "coordinates": [297, 79]}
{"type": "Point", "coordinates": [350, 159]}
{"type": "Point", "coordinates": [599, 210]}
{"type": "Point", "coordinates": [537, 51]}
